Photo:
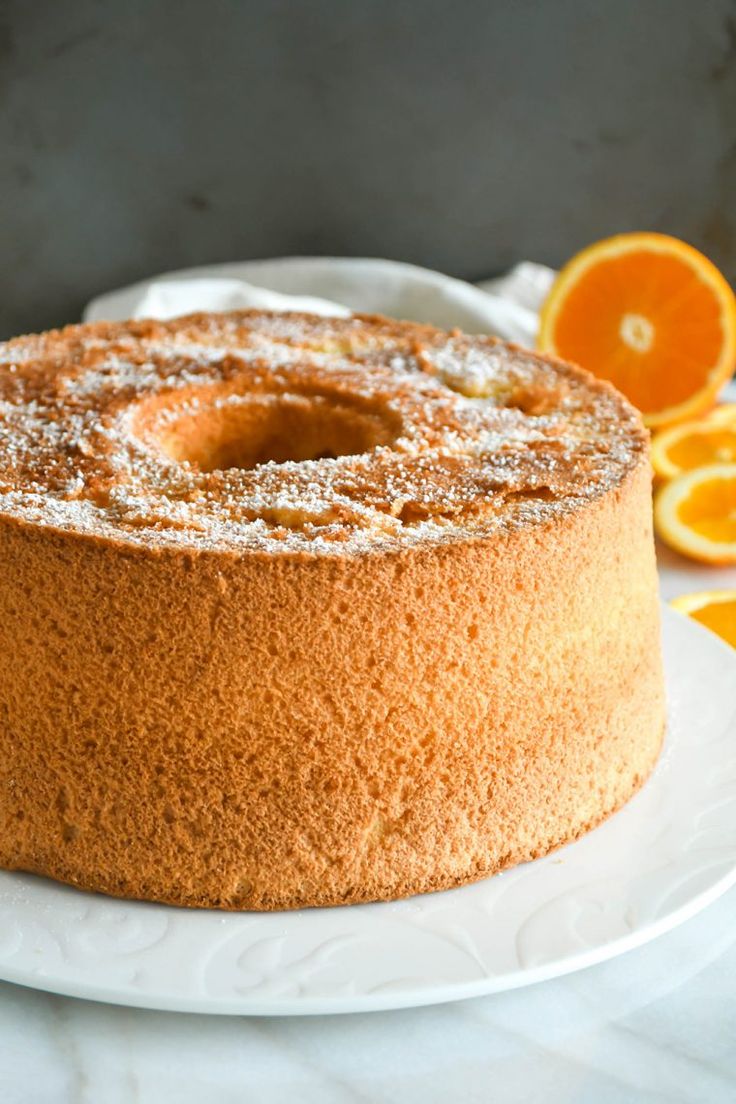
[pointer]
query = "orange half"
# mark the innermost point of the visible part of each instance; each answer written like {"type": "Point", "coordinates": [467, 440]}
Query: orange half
{"type": "Point", "coordinates": [716, 609]}
{"type": "Point", "coordinates": [652, 315]}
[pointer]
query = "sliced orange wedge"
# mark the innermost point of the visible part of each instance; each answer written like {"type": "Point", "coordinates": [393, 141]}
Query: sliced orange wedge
{"type": "Point", "coordinates": [652, 315]}
{"type": "Point", "coordinates": [716, 609]}
{"type": "Point", "coordinates": [693, 445]}
{"type": "Point", "coordinates": [696, 513]}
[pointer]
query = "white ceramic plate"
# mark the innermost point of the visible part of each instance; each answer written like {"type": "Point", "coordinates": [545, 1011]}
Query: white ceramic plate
{"type": "Point", "coordinates": [660, 860]}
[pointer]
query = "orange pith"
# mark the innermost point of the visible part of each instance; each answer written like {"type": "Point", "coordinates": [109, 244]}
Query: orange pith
{"type": "Point", "coordinates": [650, 314]}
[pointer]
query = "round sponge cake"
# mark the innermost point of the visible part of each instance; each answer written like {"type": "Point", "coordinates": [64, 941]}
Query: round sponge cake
{"type": "Point", "coordinates": [303, 611]}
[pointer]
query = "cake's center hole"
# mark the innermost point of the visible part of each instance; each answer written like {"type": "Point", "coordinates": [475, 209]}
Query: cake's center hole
{"type": "Point", "coordinates": [242, 431]}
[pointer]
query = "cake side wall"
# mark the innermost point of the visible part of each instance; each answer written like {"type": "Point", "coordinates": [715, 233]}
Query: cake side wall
{"type": "Point", "coordinates": [274, 732]}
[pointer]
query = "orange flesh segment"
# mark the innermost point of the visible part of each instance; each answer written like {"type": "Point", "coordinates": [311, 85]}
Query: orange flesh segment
{"type": "Point", "coordinates": [698, 449]}
{"type": "Point", "coordinates": [720, 617]}
{"type": "Point", "coordinates": [710, 510]}
{"type": "Point", "coordinates": [683, 311]}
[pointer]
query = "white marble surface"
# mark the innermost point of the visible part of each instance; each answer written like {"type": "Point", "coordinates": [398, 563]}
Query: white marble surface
{"type": "Point", "coordinates": [656, 1025]}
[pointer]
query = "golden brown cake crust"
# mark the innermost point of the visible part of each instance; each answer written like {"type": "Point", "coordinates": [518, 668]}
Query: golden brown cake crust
{"type": "Point", "coordinates": [335, 676]}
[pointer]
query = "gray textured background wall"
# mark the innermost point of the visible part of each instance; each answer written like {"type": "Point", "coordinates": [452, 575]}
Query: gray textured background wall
{"type": "Point", "coordinates": [142, 136]}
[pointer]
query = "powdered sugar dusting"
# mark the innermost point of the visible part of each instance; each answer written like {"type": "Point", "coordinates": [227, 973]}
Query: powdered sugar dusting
{"type": "Point", "coordinates": [454, 436]}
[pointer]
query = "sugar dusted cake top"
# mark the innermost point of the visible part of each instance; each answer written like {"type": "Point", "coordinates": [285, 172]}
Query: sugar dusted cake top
{"type": "Point", "coordinates": [270, 432]}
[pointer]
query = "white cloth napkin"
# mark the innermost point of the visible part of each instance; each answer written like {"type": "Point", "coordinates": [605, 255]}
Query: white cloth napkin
{"type": "Point", "coordinates": [507, 307]}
